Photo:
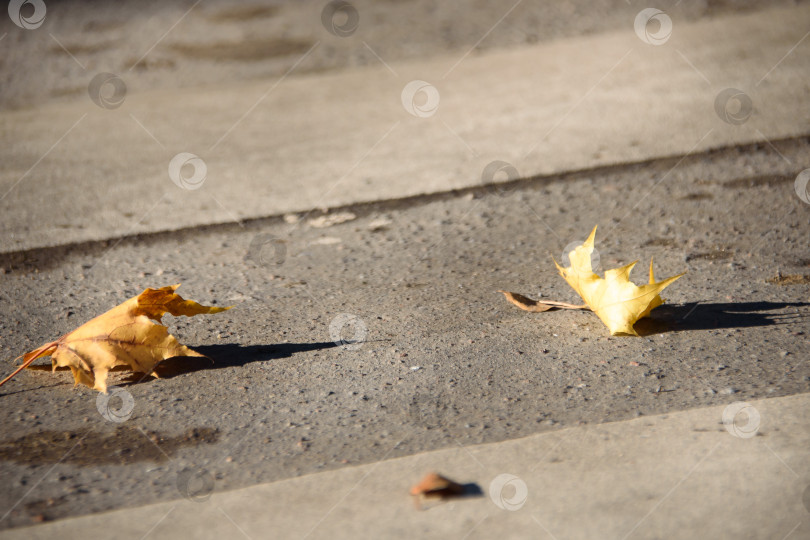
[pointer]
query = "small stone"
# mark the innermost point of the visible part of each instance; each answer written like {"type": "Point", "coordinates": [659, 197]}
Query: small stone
{"type": "Point", "coordinates": [330, 220]}
{"type": "Point", "coordinates": [379, 224]}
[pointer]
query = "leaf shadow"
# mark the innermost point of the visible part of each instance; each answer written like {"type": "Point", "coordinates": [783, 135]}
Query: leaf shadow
{"type": "Point", "coordinates": [466, 491]}
{"type": "Point", "coordinates": [228, 355]}
{"type": "Point", "coordinates": [716, 316]}
{"type": "Point", "coordinates": [34, 389]}
{"type": "Point", "coordinates": [471, 489]}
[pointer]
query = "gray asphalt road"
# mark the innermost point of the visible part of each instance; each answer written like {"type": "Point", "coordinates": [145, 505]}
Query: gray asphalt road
{"type": "Point", "coordinates": [444, 359]}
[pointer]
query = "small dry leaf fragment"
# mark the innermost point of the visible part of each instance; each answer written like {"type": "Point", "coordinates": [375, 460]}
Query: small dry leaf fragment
{"type": "Point", "coordinates": [126, 335]}
{"type": "Point", "coordinates": [434, 485]}
{"type": "Point", "coordinates": [535, 306]}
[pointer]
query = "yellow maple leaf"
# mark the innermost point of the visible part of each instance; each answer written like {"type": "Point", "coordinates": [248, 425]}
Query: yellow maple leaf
{"type": "Point", "coordinates": [124, 336]}
{"type": "Point", "coordinates": [617, 301]}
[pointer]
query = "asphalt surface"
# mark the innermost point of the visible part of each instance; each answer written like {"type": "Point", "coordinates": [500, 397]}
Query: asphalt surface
{"type": "Point", "coordinates": [444, 359]}
{"type": "Point", "coordinates": [362, 249]}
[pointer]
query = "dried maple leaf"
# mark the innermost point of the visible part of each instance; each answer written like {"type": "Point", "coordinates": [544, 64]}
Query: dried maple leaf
{"type": "Point", "coordinates": [615, 299]}
{"type": "Point", "coordinates": [124, 336]}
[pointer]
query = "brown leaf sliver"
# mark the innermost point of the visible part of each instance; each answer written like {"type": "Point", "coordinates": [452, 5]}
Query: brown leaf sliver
{"type": "Point", "coordinates": [527, 304]}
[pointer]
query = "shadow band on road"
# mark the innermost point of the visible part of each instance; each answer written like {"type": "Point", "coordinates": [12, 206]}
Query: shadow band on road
{"type": "Point", "coordinates": [665, 318]}
{"type": "Point", "coordinates": [709, 316]}
{"type": "Point", "coordinates": [233, 355]}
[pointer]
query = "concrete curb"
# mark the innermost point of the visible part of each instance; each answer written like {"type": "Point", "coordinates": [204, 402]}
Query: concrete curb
{"type": "Point", "coordinates": [334, 139]}
{"type": "Point", "coordinates": [680, 475]}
